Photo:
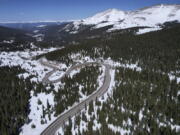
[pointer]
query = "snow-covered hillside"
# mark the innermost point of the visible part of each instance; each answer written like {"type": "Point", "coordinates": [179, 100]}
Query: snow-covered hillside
{"type": "Point", "coordinates": [148, 17]}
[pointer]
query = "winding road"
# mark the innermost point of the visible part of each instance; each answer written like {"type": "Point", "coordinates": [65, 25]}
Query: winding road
{"type": "Point", "coordinates": [60, 121]}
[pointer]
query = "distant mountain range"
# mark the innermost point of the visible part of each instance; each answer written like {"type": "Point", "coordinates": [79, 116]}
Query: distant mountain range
{"type": "Point", "coordinates": [138, 22]}
{"type": "Point", "coordinates": [146, 17]}
{"type": "Point", "coordinates": [152, 16]}
{"type": "Point", "coordinates": [29, 25]}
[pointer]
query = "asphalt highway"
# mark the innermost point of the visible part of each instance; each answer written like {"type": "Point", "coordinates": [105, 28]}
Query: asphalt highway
{"type": "Point", "coordinates": [59, 122]}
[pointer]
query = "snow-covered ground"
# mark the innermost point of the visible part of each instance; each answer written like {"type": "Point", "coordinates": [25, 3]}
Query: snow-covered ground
{"type": "Point", "coordinates": [41, 26]}
{"type": "Point", "coordinates": [146, 17]}
{"type": "Point", "coordinates": [118, 129]}
{"type": "Point", "coordinates": [37, 112]}
{"type": "Point", "coordinates": [96, 125]}
{"type": "Point", "coordinates": [33, 67]}
{"type": "Point", "coordinates": [56, 75]}
{"type": "Point", "coordinates": [23, 59]}
{"type": "Point", "coordinates": [39, 37]}
{"type": "Point", "coordinates": [145, 30]}
{"type": "Point", "coordinates": [172, 77]}
{"type": "Point", "coordinates": [8, 41]}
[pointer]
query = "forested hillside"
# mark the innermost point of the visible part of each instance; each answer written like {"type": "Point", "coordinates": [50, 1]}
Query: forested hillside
{"type": "Point", "coordinates": [14, 104]}
{"type": "Point", "coordinates": [14, 39]}
{"type": "Point", "coordinates": [154, 51]}
{"type": "Point", "coordinates": [143, 102]}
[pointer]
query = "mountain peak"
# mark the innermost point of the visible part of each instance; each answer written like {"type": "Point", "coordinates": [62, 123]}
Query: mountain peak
{"type": "Point", "coordinates": [109, 15]}
{"type": "Point", "coordinates": [145, 17]}
{"type": "Point", "coordinates": [111, 10]}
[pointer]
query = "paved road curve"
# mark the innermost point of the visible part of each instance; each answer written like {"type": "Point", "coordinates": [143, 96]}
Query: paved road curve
{"type": "Point", "coordinates": [59, 122]}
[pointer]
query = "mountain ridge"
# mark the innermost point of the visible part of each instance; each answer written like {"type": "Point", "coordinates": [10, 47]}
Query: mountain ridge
{"type": "Point", "coordinates": [145, 17]}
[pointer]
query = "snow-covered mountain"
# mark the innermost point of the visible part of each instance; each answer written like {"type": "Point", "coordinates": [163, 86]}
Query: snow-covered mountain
{"type": "Point", "coordinates": [146, 17]}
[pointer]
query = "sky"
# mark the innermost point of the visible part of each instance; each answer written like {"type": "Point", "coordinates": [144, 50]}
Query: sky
{"type": "Point", "coordinates": [53, 10]}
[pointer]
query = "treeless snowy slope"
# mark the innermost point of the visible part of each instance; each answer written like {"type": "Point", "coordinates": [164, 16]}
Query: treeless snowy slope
{"type": "Point", "coordinates": [110, 15]}
{"type": "Point", "coordinates": [149, 17]}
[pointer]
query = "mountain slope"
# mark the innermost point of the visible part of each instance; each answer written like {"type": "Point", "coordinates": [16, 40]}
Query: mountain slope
{"type": "Point", "coordinates": [137, 22]}
{"type": "Point", "coordinates": [146, 17]}
{"type": "Point", "coordinates": [14, 39]}
{"type": "Point", "coordinates": [6, 33]}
